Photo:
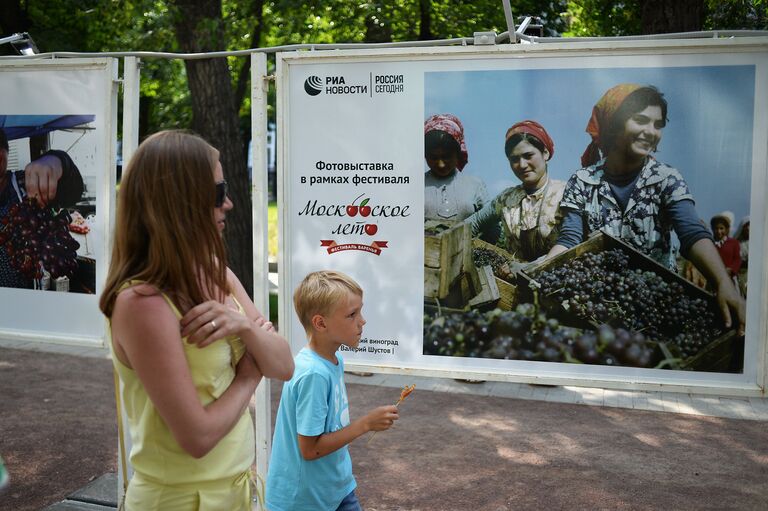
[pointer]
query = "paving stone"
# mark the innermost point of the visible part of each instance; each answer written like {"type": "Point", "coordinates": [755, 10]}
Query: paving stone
{"type": "Point", "coordinates": [102, 490]}
{"type": "Point", "coordinates": [73, 505]}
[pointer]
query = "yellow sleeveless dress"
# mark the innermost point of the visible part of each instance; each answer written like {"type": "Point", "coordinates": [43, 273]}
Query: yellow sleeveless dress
{"type": "Point", "coordinates": [165, 476]}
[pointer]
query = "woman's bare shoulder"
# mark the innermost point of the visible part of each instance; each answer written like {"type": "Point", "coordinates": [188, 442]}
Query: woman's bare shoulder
{"type": "Point", "coordinates": [141, 299]}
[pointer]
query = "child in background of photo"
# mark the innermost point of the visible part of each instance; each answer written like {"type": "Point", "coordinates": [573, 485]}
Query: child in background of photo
{"type": "Point", "coordinates": [310, 467]}
{"type": "Point", "coordinates": [727, 247]}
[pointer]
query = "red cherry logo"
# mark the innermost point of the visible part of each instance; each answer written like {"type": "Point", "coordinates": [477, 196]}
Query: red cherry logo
{"type": "Point", "coordinates": [352, 209]}
{"type": "Point", "coordinates": [365, 209]}
{"type": "Point", "coordinates": [371, 229]}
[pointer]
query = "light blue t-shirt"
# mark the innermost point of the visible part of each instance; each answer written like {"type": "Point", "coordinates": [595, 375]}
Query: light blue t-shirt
{"type": "Point", "coordinates": [313, 402]}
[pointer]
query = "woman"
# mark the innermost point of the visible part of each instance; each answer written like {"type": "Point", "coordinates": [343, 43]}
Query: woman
{"type": "Point", "coordinates": [529, 212]}
{"type": "Point", "coordinates": [449, 194]}
{"type": "Point", "coordinates": [187, 343]}
{"type": "Point", "coordinates": [624, 191]}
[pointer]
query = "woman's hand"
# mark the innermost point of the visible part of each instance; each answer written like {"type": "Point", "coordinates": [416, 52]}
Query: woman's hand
{"type": "Point", "coordinates": [247, 368]}
{"type": "Point", "coordinates": [262, 323]}
{"type": "Point", "coordinates": [509, 270]}
{"type": "Point", "coordinates": [210, 321]}
{"type": "Point", "coordinates": [707, 260]}
{"type": "Point", "coordinates": [729, 299]}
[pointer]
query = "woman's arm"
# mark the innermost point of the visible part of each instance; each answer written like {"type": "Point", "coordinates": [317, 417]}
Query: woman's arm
{"type": "Point", "coordinates": [146, 333]}
{"type": "Point", "coordinates": [571, 232]}
{"type": "Point", "coordinates": [271, 351]}
{"type": "Point", "coordinates": [485, 223]}
{"type": "Point", "coordinates": [212, 320]}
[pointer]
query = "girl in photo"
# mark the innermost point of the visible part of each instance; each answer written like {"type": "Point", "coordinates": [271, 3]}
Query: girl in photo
{"type": "Point", "coordinates": [449, 195]}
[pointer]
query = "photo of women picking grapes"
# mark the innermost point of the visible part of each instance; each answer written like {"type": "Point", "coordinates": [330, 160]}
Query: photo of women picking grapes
{"type": "Point", "coordinates": [608, 288]}
{"type": "Point", "coordinates": [624, 191]}
{"type": "Point", "coordinates": [37, 250]}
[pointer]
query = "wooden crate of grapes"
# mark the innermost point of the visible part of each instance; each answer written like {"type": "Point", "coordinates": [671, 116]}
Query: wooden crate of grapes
{"type": "Point", "coordinates": [486, 254]}
{"type": "Point", "coordinates": [604, 280]}
{"type": "Point", "coordinates": [447, 255]}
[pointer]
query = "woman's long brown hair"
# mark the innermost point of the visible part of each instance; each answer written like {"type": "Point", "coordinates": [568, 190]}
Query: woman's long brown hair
{"type": "Point", "coordinates": [165, 230]}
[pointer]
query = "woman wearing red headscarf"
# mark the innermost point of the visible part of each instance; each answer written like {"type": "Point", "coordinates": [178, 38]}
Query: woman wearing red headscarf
{"type": "Point", "coordinates": [449, 194]}
{"type": "Point", "coordinates": [529, 213]}
{"type": "Point", "coordinates": [624, 191]}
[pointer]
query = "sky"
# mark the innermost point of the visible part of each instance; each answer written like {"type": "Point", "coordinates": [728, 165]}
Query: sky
{"type": "Point", "coordinates": [708, 137]}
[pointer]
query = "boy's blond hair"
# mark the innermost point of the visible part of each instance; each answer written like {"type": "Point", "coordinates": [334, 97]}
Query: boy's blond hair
{"type": "Point", "coordinates": [320, 292]}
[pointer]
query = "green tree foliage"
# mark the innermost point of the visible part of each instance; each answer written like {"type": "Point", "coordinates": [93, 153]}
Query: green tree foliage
{"type": "Point", "coordinates": [632, 17]}
{"type": "Point", "coordinates": [161, 25]}
{"type": "Point", "coordinates": [593, 18]}
{"type": "Point", "coordinates": [737, 15]}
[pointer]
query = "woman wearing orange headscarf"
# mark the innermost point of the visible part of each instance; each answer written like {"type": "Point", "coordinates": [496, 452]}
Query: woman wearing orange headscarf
{"type": "Point", "coordinates": [529, 213]}
{"type": "Point", "coordinates": [624, 191]}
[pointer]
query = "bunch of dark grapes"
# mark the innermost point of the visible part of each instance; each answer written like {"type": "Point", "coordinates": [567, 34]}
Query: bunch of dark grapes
{"type": "Point", "coordinates": [457, 334]}
{"type": "Point", "coordinates": [527, 334]}
{"type": "Point", "coordinates": [485, 257]}
{"type": "Point", "coordinates": [34, 238]}
{"type": "Point", "coordinates": [601, 287]}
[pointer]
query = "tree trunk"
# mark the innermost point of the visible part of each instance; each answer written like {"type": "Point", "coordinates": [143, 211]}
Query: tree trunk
{"type": "Point", "coordinates": [377, 29]}
{"type": "Point", "coordinates": [668, 16]}
{"type": "Point", "coordinates": [13, 19]}
{"type": "Point", "coordinates": [425, 27]}
{"type": "Point", "coordinates": [215, 117]}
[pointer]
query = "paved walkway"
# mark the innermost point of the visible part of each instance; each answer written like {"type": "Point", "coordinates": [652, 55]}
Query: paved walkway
{"type": "Point", "coordinates": [458, 446]}
{"type": "Point", "coordinates": [748, 408]}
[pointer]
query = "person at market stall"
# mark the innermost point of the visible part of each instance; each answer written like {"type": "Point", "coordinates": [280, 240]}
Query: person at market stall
{"type": "Point", "coordinates": [624, 191]}
{"type": "Point", "coordinates": [529, 213]}
{"type": "Point", "coordinates": [727, 247]}
{"type": "Point", "coordinates": [742, 235]}
{"type": "Point", "coordinates": [52, 179]}
{"type": "Point", "coordinates": [187, 342]}
{"type": "Point", "coordinates": [449, 194]}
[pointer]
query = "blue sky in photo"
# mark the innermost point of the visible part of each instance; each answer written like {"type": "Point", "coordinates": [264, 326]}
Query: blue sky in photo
{"type": "Point", "coordinates": [708, 137]}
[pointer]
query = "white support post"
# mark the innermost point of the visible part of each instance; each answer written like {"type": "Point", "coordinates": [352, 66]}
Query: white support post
{"type": "Point", "coordinates": [131, 80]}
{"type": "Point", "coordinates": [260, 201]}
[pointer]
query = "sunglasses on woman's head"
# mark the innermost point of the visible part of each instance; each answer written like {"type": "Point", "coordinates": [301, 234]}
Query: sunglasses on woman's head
{"type": "Point", "coordinates": [221, 193]}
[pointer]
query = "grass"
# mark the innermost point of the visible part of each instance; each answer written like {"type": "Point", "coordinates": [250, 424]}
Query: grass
{"type": "Point", "coordinates": [272, 230]}
{"type": "Point", "coordinates": [272, 249]}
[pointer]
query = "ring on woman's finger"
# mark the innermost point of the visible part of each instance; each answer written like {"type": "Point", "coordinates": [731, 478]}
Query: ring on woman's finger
{"type": "Point", "coordinates": [213, 324]}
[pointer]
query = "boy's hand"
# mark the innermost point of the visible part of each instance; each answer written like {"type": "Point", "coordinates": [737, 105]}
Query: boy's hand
{"type": "Point", "coordinates": [210, 321]}
{"type": "Point", "coordinates": [381, 418]}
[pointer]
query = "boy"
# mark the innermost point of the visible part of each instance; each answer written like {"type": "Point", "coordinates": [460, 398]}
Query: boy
{"type": "Point", "coordinates": [310, 468]}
